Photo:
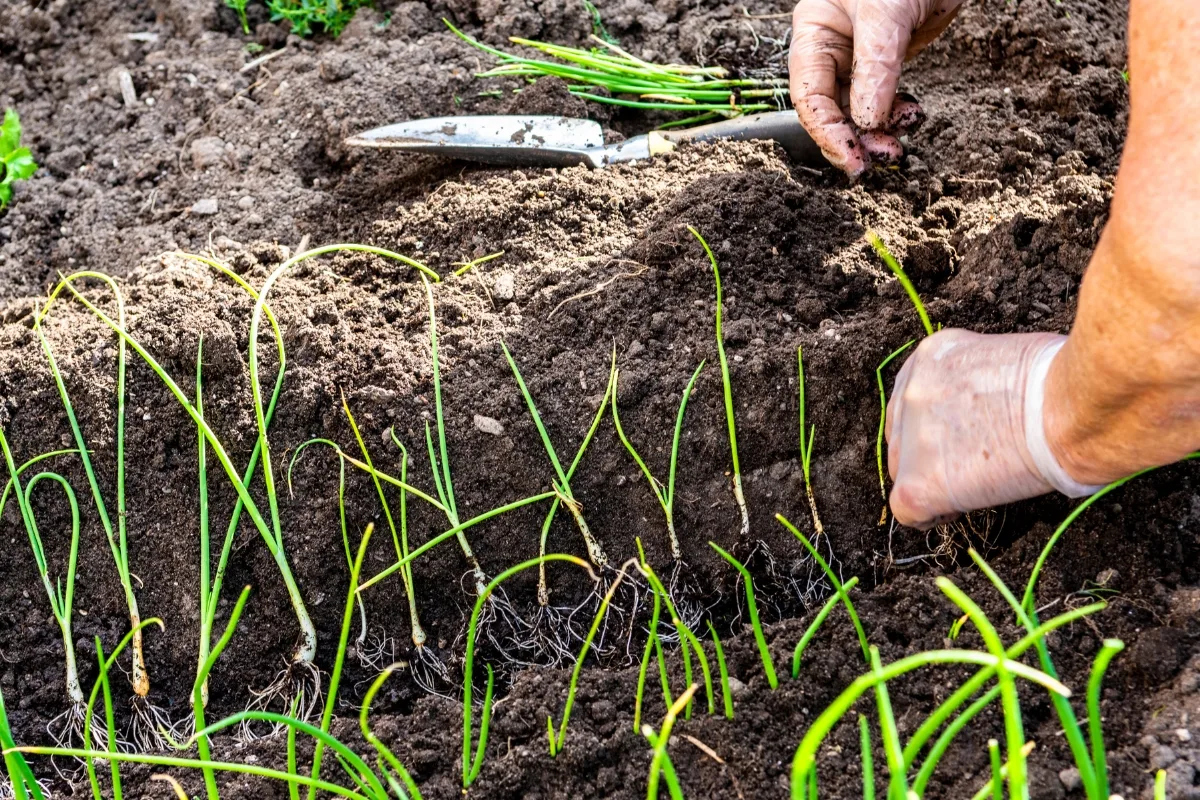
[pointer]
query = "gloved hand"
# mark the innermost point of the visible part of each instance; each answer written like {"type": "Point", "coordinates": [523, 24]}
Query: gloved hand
{"type": "Point", "coordinates": [964, 426]}
{"type": "Point", "coordinates": [848, 54]}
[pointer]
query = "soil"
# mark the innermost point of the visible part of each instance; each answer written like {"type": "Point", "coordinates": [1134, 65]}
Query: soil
{"type": "Point", "coordinates": [994, 212]}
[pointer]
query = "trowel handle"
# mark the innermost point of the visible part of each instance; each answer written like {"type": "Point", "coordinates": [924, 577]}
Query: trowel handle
{"type": "Point", "coordinates": [780, 126]}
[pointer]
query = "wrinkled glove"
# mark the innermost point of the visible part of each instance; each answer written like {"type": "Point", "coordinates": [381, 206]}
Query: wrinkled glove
{"type": "Point", "coordinates": [964, 426]}
{"type": "Point", "coordinates": [846, 55]}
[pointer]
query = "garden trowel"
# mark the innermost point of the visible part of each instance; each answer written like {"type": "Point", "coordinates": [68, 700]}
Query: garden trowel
{"type": "Point", "coordinates": [547, 141]}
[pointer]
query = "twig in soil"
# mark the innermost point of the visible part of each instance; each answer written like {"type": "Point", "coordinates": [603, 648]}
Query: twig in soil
{"type": "Point", "coordinates": [557, 742]}
{"type": "Point", "coordinates": [598, 288]}
{"type": "Point", "coordinates": [659, 742]}
{"type": "Point", "coordinates": [563, 486]}
{"type": "Point", "coordinates": [664, 494]}
{"type": "Point", "coordinates": [818, 620]}
{"type": "Point", "coordinates": [752, 608]}
{"type": "Point", "coordinates": [898, 271]}
{"type": "Point", "coordinates": [116, 535]}
{"type": "Point", "coordinates": [725, 383]}
{"type": "Point", "coordinates": [806, 447]}
{"type": "Point", "coordinates": [882, 421]}
{"type": "Point", "coordinates": [471, 765]}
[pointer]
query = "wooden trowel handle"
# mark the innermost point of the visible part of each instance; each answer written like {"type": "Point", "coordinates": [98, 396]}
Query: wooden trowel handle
{"type": "Point", "coordinates": [780, 126]}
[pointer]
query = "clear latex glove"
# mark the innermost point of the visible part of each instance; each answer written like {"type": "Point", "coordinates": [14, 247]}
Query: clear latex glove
{"type": "Point", "coordinates": [964, 426]}
{"type": "Point", "coordinates": [847, 54]}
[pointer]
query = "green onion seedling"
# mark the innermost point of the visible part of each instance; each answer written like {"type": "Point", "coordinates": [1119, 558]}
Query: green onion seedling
{"type": "Point", "coordinates": [898, 271]}
{"type": "Point", "coordinates": [302, 668]}
{"type": "Point", "coordinates": [806, 446]}
{"type": "Point", "coordinates": [472, 764]}
{"type": "Point", "coordinates": [543, 588]}
{"type": "Point", "coordinates": [805, 758]}
{"type": "Point", "coordinates": [819, 620]}
{"type": "Point", "coordinates": [725, 383]}
{"type": "Point", "coordinates": [664, 494]}
{"type": "Point", "coordinates": [668, 769]}
{"type": "Point", "coordinates": [466, 266]}
{"type": "Point", "coordinates": [726, 694]}
{"type": "Point", "coordinates": [563, 486]}
{"type": "Point", "coordinates": [557, 741]}
{"type": "Point", "coordinates": [1160, 785]}
{"type": "Point", "coordinates": [149, 720]}
{"type": "Point", "coordinates": [441, 467]}
{"type": "Point", "coordinates": [68, 725]}
{"type": "Point", "coordinates": [652, 643]}
{"type": "Point", "coordinates": [994, 788]}
{"type": "Point", "coordinates": [882, 424]}
{"type": "Point", "coordinates": [868, 762]}
{"type": "Point", "coordinates": [752, 608]}
{"type": "Point", "coordinates": [399, 541]}
{"type": "Point", "coordinates": [687, 639]}
{"type": "Point", "coordinates": [662, 737]}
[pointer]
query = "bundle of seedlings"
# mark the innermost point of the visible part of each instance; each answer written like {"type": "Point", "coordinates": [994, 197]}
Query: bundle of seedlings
{"type": "Point", "coordinates": [150, 722]}
{"type": "Point", "coordinates": [607, 74]}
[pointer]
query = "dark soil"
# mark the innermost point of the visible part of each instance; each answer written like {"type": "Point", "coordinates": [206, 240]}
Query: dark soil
{"type": "Point", "coordinates": [994, 212]}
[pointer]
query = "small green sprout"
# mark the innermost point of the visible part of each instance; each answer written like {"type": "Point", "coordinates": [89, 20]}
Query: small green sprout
{"type": "Point", "coordinates": [752, 606]}
{"type": "Point", "coordinates": [664, 494]}
{"type": "Point", "coordinates": [725, 384]}
{"type": "Point", "coordinates": [956, 627]}
{"type": "Point", "coordinates": [1160, 785]}
{"type": "Point", "coordinates": [471, 765]}
{"type": "Point", "coordinates": [239, 6]}
{"type": "Point", "coordinates": [331, 15]}
{"type": "Point", "coordinates": [898, 271]}
{"type": "Point", "coordinates": [806, 446]}
{"type": "Point", "coordinates": [652, 645]}
{"type": "Point", "coordinates": [16, 162]}
{"type": "Point", "coordinates": [997, 773]}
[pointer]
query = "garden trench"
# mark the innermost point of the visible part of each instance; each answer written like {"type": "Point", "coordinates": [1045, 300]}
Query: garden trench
{"type": "Point", "coordinates": [994, 213]}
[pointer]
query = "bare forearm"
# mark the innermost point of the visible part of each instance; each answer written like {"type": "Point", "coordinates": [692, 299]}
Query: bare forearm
{"type": "Point", "coordinates": [1124, 393]}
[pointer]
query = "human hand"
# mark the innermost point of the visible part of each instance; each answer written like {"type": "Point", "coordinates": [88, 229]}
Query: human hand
{"type": "Point", "coordinates": [964, 426]}
{"type": "Point", "coordinates": [846, 55]}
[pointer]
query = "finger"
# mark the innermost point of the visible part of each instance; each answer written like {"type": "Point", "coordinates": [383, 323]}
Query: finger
{"type": "Point", "coordinates": [940, 16]}
{"type": "Point", "coordinates": [883, 148]}
{"type": "Point", "coordinates": [882, 32]}
{"type": "Point", "coordinates": [819, 51]}
{"type": "Point", "coordinates": [907, 114]}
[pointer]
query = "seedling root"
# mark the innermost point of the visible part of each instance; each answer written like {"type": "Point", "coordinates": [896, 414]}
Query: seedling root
{"type": "Point", "coordinates": [298, 687]}
{"type": "Point", "coordinates": [150, 728]}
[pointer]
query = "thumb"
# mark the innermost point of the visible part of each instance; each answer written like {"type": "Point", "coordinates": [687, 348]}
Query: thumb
{"type": "Point", "coordinates": [882, 32]}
